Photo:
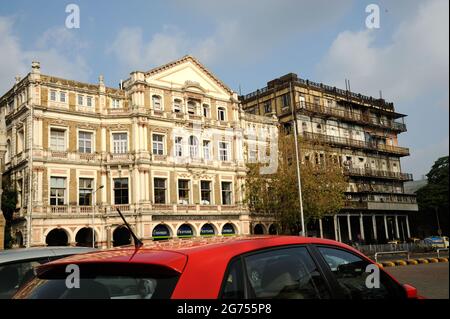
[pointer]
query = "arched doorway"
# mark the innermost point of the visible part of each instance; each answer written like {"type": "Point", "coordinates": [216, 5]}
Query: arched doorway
{"type": "Point", "coordinates": [84, 237]}
{"type": "Point", "coordinates": [161, 232]}
{"type": "Point", "coordinates": [228, 230]}
{"type": "Point", "coordinates": [273, 230]}
{"type": "Point", "coordinates": [258, 229]}
{"type": "Point", "coordinates": [207, 230]}
{"type": "Point", "coordinates": [57, 237]}
{"type": "Point", "coordinates": [185, 231]}
{"type": "Point", "coordinates": [19, 239]}
{"type": "Point", "coordinates": [121, 236]}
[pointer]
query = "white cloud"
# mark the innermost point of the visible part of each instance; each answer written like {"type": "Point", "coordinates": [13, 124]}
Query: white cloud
{"type": "Point", "coordinates": [235, 32]}
{"type": "Point", "coordinates": [58, 50]}
{"type": "Point", "coordinates": [415, 62]}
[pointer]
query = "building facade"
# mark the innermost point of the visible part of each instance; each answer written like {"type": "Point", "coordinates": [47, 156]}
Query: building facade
{"type": "Point", "coordinates": [167, 148]}
{"type": "Point", "coordinates": [361, 132]}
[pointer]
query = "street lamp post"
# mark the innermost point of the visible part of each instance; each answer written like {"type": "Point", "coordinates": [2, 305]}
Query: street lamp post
{"type": "Point", "coordinates": [93, 215]}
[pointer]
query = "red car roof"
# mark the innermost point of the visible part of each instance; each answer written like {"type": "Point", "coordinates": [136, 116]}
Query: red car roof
{"type": "Point", "coordinates": [201, 261]}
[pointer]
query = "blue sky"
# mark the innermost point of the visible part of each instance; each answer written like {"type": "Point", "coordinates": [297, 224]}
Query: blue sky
{"type": "Point", "coordinates": [246, 44]}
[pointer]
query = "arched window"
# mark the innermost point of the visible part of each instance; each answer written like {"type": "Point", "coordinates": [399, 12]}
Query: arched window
{"type": "Point", "coordinates": [193, 146]}
{"type": "Point", "coordinates": [156, 102]}
{"type": "Point", "coordinates": [221, 114]}
{"type": "Point", "coordinates": [8, 151]}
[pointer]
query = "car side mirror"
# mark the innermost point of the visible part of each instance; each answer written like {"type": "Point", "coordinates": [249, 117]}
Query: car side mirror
{"type": "Point", "coordinates": [411, 292]}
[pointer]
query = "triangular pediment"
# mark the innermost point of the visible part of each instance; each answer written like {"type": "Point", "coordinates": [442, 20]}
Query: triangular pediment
{"type": "Point", "coordinates": [188, 74]}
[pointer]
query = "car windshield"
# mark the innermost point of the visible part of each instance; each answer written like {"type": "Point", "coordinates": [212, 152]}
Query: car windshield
{"type": "Point", "coordinates": [108, 283]}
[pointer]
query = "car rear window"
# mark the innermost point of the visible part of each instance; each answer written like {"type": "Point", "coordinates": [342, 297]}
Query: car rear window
{"type": "Point", "coordinates": [100, 281]}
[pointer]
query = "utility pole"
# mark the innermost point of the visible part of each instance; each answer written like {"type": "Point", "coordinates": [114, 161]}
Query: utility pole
{"type": "Point", "coordinates": [300, 199]}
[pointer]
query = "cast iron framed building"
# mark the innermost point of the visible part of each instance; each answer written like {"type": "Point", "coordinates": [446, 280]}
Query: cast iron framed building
{"type": "Point", "coordinates": [362, 131]}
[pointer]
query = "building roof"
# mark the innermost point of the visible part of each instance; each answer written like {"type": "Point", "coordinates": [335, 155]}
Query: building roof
{"type": "Point", "coordinates": [413, 186]}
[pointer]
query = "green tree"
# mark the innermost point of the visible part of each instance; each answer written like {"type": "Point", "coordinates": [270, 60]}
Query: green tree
{"type": "Point", "coordinates": [9, 201]}
{"type": "Point", "coordinates": [435, 193]}
{"type": "Point", "coordinates": [433, 197]}
{"type": "Point", "coordinates": [276, 195]}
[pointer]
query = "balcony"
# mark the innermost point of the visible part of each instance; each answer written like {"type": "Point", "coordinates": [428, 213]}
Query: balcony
{"type": "Point", "coordinates": [349, 116]}
{"type": "Point", "coordinates": [394, 202]}
{"type": "Point", "coordinates": [64, 211]}
{"type": "Point", "coordinates": [50, 156]}
{"type": "Point", "coordinates": [342, 141]}
{"type": "Point", "coordinates": [351, 171]}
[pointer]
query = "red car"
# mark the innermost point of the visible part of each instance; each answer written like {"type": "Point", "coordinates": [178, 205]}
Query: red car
{"type": "Point", "coordinates": [223, 267]}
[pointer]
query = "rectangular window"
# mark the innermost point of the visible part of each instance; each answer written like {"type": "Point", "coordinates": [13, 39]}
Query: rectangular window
{"type": "Point", "coordinates": [58, 140]}
{"type": "Point", "coordinates": [85, 142]}
{"type": "Point", "coordinates": [156, 101]}
{"type": "Point", "coordinates": [223, 151]}
{"type": "Point", "coordinates": [85, 191]}
{"type": "Point", "coordinates": [62, 97]}
{"type": "Point", "coordinates": [115, 103]}
{"type": "Point", "coordinates": [120, 143]}
{"type": "Point", "coordinates": [226, 193]}
{"type": "Point", "coordinates": [205, 190]}
{"type": "Point", "coordinates": [205, 110]}
{"type": "Point", "coordinates": [177, 105]}
{"type": "Point", "coordinates": [121, 191]}
{"type": "Point", "coordinates": [286, 100]}
{"type": "Point", "coordinates": [221, 114]}
{"type": "Point", "coordinates": [89, 101]}
{"type": "Point", "coordinates": [316, 100]}
{"type": "Point", "coordinates": [20, 141]}
{"type": "Point", "coordinates": [52, 95]}
{"type": "Point", "coordinates": [160, 190]}
{"type": "Point", "coordinates": [267, 107]}
{"type": "Point", "coordinates": [80, 99]}
{"type": "Point", "coordinates": [207, 150]}
{"type": "Point", "coordinates": [178, 146]}
{"type": "Point", "coordinates": [158, 144]}
{"type": "Point", "coordinates": [183, 191]}
{"type": "Point", "coordinates": [302, 101]}
{"type": "Point", "coordinates": [57, 191]}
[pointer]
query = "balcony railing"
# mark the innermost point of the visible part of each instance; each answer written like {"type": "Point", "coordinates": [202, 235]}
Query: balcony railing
{"type": "Point", "coordinates": [75, 210]}
{"type": "Point", "coordinates": [403, 151]}
{"type": "Point", "coordinates": [351, 116]}
{"type": "Point", "coordinates": [377, 173]}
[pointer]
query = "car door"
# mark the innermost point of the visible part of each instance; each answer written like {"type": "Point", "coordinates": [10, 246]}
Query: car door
{"type": "Point", "coordinates": [351, 273]}
{"type": "Point", "coordinates": [288, 272]}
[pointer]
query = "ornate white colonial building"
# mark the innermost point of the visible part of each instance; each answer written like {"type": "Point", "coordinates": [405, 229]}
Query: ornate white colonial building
{"type": "Point", "coordinates": [168, 148]}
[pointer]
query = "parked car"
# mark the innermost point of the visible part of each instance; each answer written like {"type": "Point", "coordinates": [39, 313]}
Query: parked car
{"type": "Point", "coordinates": [437, 241]}
{"type": "Point", "coordinates": [17, 265]}
{"type": "Point", "coordinates": [218, 267]}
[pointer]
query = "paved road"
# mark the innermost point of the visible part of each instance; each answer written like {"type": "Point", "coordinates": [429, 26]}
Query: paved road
{"type": "Point", "coordinates": [431, 280]}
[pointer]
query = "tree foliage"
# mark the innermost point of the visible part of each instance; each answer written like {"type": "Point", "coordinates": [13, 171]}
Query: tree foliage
{"type": "Point", "coordinates": [434, 195]}
{"type": "Point", "coordinates": [276, 195]}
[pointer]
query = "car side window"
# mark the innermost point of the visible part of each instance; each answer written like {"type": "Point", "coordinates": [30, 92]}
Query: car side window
{"type": "Point", "coordinates": [14, 275]}
{"type": "Point", "coordinates": [288, 273]}
{"type": "Point", "coordinates": [350, 271]}
{"type": "Point", "coordinates": [233, 286]}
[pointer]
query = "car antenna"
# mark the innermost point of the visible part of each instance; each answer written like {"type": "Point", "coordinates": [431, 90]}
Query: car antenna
{"type": "Point", "coordinates": [137, 242]}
